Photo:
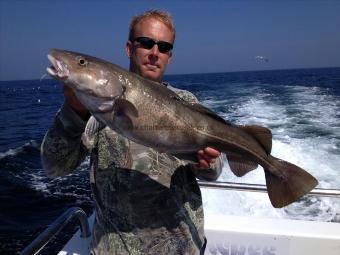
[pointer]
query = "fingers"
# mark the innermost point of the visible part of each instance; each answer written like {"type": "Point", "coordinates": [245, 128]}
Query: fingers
{"type": "Point", "coordinates": [203, 155]}
{"type": "Point", "coordinates": [203, 163]}
{"type": "Point", "coordinates": [212, 152]}
{"type": "Point", "coordinates": [209, 153]}
{"type": "Point", "coordinates": [206, 157]}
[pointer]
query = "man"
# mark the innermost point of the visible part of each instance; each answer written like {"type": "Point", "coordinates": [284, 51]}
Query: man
{"type": "Point", "coordinates": [146, 202]}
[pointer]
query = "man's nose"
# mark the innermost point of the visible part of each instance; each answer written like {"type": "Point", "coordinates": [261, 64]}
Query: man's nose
{"type": "Point", "coordinates": [154, 53]}
{"type": "Point", "coordinates": [154, 50]}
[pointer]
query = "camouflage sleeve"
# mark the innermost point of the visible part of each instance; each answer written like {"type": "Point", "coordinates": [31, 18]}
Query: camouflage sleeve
{"type": "Point", "coordinates": [212, 173]}
{"type": "Point", "coordinates": [62, 150]}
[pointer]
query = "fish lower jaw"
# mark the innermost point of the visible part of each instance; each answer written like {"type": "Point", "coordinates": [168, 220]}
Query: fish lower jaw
{"type": "Point", "coordinates": [51, 71]}
{"type": "Point", "coordinates": [56, 74]}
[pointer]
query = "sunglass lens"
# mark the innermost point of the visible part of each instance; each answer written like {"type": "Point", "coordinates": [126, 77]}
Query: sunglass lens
{"type": "Point", "coordinates": [147, 43]}
{"type": "Point", "coordinates": [164, 47]}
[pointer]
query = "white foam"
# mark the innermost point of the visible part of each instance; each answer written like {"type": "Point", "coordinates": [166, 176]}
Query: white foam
{"type": "Point", "coordinates": [10, 152]}
{"type": "Point", "coordinates": [306, 132]}
{"type": "Point", "coordinates": [52, 187]}
{"type": "Point", "coordinates": [16, 151]}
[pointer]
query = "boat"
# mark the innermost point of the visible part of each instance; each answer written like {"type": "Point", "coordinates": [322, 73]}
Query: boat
{"type": "Point", "coordinates": [226, 234]}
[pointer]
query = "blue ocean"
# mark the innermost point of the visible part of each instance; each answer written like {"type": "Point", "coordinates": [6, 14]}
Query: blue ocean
{"type": "Point", "coordinates": [301, 107]}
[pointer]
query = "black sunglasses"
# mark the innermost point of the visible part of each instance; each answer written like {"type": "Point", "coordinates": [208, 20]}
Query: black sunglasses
{"type": "Point", "coordinates": [148, 43]}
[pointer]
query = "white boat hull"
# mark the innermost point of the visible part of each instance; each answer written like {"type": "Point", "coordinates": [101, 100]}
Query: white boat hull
{"type": "Point", "coordinates": [233, 235]}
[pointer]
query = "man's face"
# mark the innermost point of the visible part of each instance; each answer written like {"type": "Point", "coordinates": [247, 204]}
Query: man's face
{"type": "Point", "coordinates": [149, 63]}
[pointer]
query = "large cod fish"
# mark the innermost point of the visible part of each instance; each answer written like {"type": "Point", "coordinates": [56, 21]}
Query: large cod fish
{"type": "Point", "coordinates": [150, 114]}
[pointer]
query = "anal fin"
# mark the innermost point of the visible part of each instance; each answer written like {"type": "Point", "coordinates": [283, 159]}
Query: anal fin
{"type": "Point", "coordinates": [239, 165]}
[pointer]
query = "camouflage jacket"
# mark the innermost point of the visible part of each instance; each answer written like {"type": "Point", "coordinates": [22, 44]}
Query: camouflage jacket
{"type": "Point", "coordinates": [146, 202]}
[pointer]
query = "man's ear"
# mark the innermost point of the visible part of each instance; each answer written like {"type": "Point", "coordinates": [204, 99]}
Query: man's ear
{"type": "Point", "coordinates": [128, 49]}
{"type": "Point", "coordinates": [170, 56]}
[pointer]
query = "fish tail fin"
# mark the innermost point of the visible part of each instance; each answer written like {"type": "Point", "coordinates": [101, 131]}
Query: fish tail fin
{"type": "Point", "coordinates": [294, 183]}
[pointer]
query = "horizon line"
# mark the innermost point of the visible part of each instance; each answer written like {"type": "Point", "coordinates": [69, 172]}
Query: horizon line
{"type": "Point", "coordinates": [219, 72]}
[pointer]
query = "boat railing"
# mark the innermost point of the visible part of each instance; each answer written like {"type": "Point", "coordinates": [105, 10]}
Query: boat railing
{"type": "Point", "coordinates": [262, 188]}
{"type": "Point", "coordinates": [74, 212]}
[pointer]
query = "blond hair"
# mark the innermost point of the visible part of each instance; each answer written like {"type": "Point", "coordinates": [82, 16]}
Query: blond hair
{"type": "Point", "coordinates": [162, 16]}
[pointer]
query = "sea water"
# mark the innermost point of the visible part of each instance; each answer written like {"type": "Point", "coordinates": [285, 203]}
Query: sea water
{"type": "Point", "coordinates": [301, 107]}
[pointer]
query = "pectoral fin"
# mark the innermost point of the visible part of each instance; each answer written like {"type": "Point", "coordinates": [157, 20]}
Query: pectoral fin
{"type": "Point", "coordinates": [124, 114]}
{"type": "Point", "coordinates": [125, 107]}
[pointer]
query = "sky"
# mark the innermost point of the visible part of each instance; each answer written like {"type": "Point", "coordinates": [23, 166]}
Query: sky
{"type": "Point", "coordinates": [211, 36]}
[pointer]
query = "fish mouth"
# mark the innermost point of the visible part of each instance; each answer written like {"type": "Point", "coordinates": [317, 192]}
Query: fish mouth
{"type": "Point", "coordinates": [58, 69]}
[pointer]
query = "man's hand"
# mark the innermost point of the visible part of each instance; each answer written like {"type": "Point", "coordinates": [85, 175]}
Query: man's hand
{"type": "Point", "coordinates": [206, 157]}
{"type": "Point", "coordinates": [74, 103]}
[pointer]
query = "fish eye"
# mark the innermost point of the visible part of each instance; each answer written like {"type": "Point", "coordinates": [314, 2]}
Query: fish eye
{"type": "Point", "coordinates": [82, 61]}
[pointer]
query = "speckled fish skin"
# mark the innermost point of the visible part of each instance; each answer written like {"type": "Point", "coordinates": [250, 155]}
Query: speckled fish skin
{"type": "Point", "coordinates": [145, 112]}
{"type": "Point", "coordinates": [152, 115]}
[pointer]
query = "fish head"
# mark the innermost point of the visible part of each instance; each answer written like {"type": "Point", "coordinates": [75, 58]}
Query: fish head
{"type": "Point", "coordinates": [89, 77]}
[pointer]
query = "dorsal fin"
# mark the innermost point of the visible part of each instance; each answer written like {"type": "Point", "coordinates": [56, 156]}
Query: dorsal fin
{"type": "Point", "coordinates": [261, 134]}
{"type": "Point", "coordinates": [204, 110]}
{"type": "Point", "coordinates": [198, 107]}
